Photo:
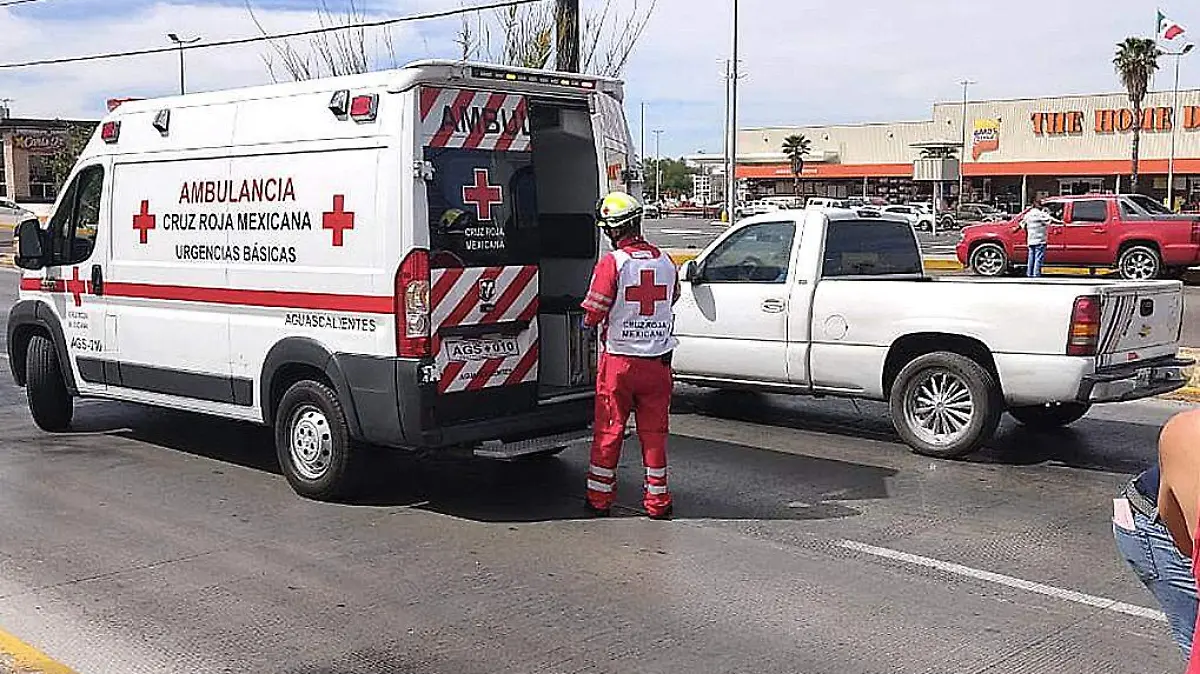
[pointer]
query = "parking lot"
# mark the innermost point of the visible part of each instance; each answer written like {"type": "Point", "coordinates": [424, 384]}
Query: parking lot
{"type": "Point", "coordinates": [807, 539]}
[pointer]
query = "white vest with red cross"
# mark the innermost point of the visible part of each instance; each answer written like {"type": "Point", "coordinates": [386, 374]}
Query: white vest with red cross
{"type": "Point", "coordinates": [641, 322]}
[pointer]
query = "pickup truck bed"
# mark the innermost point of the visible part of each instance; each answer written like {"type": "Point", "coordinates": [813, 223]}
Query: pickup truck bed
{"type": "Point", "coordinates": [836, 303]}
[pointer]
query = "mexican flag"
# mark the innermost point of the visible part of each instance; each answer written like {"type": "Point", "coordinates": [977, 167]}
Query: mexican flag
{"type": "Point", "coordinates": [1168, 30]}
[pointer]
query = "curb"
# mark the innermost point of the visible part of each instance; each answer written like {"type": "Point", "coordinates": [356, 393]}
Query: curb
{"type": "Point", "coordinates": [22, 658]}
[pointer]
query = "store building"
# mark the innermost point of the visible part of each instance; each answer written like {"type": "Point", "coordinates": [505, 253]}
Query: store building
{"type": "Point", "coordinates": [27, 148]}
{"type": "Point", "coordinates": [1015, 149]}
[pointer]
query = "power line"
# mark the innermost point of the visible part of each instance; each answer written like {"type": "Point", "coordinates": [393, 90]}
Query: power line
{"type": "Point", "coordinates": [9, 3]}
{"type": "Point", "coordinates": [261, 38]}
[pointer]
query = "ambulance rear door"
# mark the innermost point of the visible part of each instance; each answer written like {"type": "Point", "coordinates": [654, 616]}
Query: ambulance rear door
{"type": "Point", "coordinates": [614, 145]}
{"type": "Point", "coordinates": [483, 257]}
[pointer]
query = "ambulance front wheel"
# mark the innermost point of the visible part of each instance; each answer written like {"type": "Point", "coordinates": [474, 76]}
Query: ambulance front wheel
{"type": "Point", "coordinates": [312, 441]}
{"type": "Point", "coordinates": [49, 400]}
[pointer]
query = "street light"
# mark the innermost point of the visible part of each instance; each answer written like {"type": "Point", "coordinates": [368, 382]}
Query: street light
{"type": "Point", "coordinates": [181, 43]}
{"type": "Point", "coordinates": [1174, 123]}
{"type": "Point", "coordinates": [731, 195]}
{"type": "Point", "coordinates": [962, 155]}
{"type": "Point", "coordinates": [657, 165]}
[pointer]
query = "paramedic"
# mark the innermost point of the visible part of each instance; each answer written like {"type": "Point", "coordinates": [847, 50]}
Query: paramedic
{"type": "Point", "coordinates": [630, 299]}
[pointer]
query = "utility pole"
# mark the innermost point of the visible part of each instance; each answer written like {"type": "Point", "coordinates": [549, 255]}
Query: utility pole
{"type": "Point", "coordinates": [566, 19]}
{"type": "Point", "coordinates": [642, 145]}
{"type": "Point", "coordinates": [1174, 123]}
{"type": "Point", "coordinates": [962, 154]}
{"type": "Point", "coordinates": [658, 174]}
{"type": "Point", "coordinates": [181, 43]}
{"type": "Point", "coordinates": [731, 195]}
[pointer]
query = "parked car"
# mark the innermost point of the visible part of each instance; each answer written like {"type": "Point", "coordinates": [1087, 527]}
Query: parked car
{"type": "Point", "coordinates": [970, 213]}
{"type": "Point", "coordinates": [826, 202]}
{"type": "Point", "coordinates": [11, 214]}
{"type": "Point", "coordinates": [920, 221]}
{"type": "Point", "coordinates": [1133, 233]}
{"type": "Point", "coordinates": [828, 302]}
{"type": "Point", "coordinates": [652, 211]}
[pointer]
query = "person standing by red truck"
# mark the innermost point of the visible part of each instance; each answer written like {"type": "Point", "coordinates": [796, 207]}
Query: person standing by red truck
{"type": "Point", "coordinates": [630, 299]}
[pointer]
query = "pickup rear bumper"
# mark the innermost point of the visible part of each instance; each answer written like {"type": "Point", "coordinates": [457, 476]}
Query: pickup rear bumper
{"type": "Point", "coordinates": [1138, 380]}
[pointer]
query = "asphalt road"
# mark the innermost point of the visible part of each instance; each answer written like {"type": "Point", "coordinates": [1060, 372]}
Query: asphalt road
{"type": "Point", "coordinates": [807, 539]}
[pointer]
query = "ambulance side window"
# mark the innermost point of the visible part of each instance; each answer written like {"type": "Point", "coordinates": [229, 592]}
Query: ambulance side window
{"type": "Point", "coordinates": [77, 220]}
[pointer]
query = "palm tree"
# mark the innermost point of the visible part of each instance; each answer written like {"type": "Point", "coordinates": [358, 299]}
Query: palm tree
{"type": "Point", "coordinates": [795, 147]}
{"type": "Point", "coordinates": [1135, 63]}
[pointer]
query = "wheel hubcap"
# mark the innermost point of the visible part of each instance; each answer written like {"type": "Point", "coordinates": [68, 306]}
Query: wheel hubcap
{"type": "Point", "coordinates": [311, 442]}
{"type": "Point", "coordinates": [1139, 266]}
{"type": "Point", "coordinates": [939, 407]}
{"type": "Point", "coordinates": [989, 261]}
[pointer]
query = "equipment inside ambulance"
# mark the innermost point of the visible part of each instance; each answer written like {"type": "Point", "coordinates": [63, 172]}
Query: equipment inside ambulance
{"type": "Point", "coordinates": [287, 255]}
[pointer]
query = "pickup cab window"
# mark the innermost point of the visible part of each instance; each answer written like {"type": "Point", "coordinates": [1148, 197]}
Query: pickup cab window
{"type": "Point", "coordinates": [870, 248]}
{"type": "Point", "coordinates": [1149, 205]}
{"type": "Point", "coordinates": [758, 253]}
{"type": "Point", "coordinates": [1094, 210]}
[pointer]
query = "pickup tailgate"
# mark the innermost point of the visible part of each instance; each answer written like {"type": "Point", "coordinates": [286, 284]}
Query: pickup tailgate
{"type": "Point", "coordinates": [1139, 321]}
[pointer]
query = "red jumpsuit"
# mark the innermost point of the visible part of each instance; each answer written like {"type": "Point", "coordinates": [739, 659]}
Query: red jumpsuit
{"type": "Point", "coordinates": [631, 296]}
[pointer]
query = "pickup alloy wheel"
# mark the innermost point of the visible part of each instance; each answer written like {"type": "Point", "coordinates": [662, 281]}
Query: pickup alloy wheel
{"type": "Point", "coordinates": [1139, 263]}
{"type": "Point", "coordinates": [945, 405]}
{"type": "Point", "coordinates": [988, 259]}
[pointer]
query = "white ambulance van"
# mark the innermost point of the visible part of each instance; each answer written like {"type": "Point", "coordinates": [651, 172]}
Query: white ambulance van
{"type": "Point", "coordinates": [393, 259]}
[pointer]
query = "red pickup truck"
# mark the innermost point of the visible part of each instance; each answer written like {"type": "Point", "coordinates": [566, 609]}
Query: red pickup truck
{"type": "Point", "coordinates": [1132, 233]}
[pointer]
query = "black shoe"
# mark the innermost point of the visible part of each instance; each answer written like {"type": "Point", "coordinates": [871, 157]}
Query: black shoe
{"type": "Point", "coordinates": [664, 515]}
{"type": "Point", "coordinates": [597, 512]}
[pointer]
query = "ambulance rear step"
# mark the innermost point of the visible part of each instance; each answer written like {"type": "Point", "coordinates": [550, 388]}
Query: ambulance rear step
{"type": "Point", "coordinates": [498, 449]}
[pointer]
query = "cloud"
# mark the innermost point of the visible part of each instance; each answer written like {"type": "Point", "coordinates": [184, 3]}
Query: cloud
{"type": "Point", "coordinates": [805, 61]}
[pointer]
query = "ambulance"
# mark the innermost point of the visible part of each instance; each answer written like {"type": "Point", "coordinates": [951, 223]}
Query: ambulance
{"type": "Point", "coordinates": [394, 259]}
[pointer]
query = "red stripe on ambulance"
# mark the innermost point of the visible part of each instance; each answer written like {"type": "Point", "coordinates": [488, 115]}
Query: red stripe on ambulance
{"type": "Point", "coordinates": [477, 120]}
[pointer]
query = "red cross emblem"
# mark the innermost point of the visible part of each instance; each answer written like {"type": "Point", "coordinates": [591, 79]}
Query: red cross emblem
{"type": "Point", "coordinates": [143, 222]}
{"type": "Point", "coordinates": [483, 194]}
{"type": "Point", "coordinates": [646, 293]}
{"type": "Point", "coordinates": [338, 220]}
{"type": "Point", "coordinates": [77, 286]}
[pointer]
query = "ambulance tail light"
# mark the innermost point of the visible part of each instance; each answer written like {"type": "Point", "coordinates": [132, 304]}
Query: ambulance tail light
{"type": "Point", "coordinates": [1084, 335]}
{"type": "Point", "coordinates": [110, 132]}
{"type": "Point", "coordinates": [412, 306]}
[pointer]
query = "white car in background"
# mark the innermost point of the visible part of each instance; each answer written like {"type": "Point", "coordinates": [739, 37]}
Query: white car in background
{"type": "Point", "coordinates": [11, 214]}
{"type": "Point", "coordinates": [920, 220]}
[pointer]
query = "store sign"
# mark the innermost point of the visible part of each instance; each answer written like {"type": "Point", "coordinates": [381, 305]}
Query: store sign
{"type": "Point", "coordinates": [986, 137]}
{"type": "Point", "coordinates": [40, 142]}
{"type": "Point", "coordinates": [1074, 122]}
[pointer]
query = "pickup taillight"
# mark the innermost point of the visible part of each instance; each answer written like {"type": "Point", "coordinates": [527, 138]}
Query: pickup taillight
{"type": "Point", "coordinates": [1084, 334]}
{"type": "Point", "coordinates": [412, 306]}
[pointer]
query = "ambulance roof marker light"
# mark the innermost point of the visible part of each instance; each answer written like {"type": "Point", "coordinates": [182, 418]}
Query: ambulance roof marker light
{"type": "Point", "coordinates": [110, 132]}
{"type": "Point", "coordinates": [339, 105]}
{"type": "Point", "coordinates": [363, 108]}
{"type": "Point", "coordinates": [162, 121]}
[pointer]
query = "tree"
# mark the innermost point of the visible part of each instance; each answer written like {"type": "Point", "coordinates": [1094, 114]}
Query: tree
{"type": "Point", "coordinates": [76, 138]}
{"type": "Point", "coordinates": [349, 51]}
{"type": "Point", "coordinates": [795, 147]}
{"type": "Point", "coordinates": [676, 177]}
{"type": "Point", "coordinates": [1135, 62]}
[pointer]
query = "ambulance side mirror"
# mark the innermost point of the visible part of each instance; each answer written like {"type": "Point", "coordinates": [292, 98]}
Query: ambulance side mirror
{"type": "Point", "coordinates": [30, 251]}
{"type": "Point", "coordinates": [690, 272]}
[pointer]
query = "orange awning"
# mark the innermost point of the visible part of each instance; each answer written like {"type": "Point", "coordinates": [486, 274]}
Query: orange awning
{"type": "Point", "coordinates": [1095, 167]}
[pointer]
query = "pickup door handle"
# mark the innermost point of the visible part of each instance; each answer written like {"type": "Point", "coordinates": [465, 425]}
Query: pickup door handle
{"type": "Point", "coordinates": [773, 306]}
{"type": "Point", "coordinates": [1099, 230]}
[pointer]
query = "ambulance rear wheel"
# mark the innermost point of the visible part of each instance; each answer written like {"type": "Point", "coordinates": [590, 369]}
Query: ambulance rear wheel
{"type": "Point", "coordinates": [312, 441]}
{"type": "Point", "coordinates": [49, 400]}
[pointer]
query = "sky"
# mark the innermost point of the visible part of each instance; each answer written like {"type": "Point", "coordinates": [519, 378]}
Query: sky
{"type": "Point", "coordinates": [803, 61]}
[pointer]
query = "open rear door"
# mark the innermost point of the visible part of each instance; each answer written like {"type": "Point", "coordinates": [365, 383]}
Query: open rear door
{"type": "Point", "coordinates": [483, 251]}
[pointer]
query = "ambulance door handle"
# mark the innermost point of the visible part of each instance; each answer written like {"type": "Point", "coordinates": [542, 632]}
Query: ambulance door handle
{"type": "Point", "coordinates": [97, 280]}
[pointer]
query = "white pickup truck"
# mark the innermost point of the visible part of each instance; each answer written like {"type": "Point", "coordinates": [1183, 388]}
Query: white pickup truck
{"type": "Point", "coordinates": [836, 302]}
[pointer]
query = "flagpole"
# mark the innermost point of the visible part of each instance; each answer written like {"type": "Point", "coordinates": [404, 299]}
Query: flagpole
{"type": "Point", "coordinates": [1174, 123]}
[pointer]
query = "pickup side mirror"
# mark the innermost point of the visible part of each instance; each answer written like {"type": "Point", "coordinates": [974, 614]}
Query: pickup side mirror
{"type": "Point", "coordinates": [690, 271]}
{"type": "Point", "coordinates": [30, 249]}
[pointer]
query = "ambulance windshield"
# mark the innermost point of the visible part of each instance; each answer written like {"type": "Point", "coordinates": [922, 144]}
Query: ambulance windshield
{"type": "Point", "coordinates": [482, 208]}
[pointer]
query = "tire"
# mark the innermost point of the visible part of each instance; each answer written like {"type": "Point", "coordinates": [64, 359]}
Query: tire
{"type": "Point", "coordinates": [312, 442]}
{"type": "Point", "coordinates": [988, 259]}
{"type": "Point", "coordinates": [967, 390]}
{"type": "Point", "coordinates": [946, 223]}
{"type": "Point", "coordinates": [49, 400]}
{"type": "Point", "coordinates": [1139, 263]}
{"type": "Point", "coordinates": [1048, 417]}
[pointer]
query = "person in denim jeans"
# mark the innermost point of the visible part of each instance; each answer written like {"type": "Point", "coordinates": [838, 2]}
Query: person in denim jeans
{"type": "Point", "coordinates": [1034, 222]}
{"type": "Point", "coordinates": [1146, 544]}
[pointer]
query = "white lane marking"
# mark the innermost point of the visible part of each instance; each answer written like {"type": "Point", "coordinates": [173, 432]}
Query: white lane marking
{"type": "Point", "coordinates": [681, 231]}
{"type": "Point", "coordinates": [1009, 581]}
